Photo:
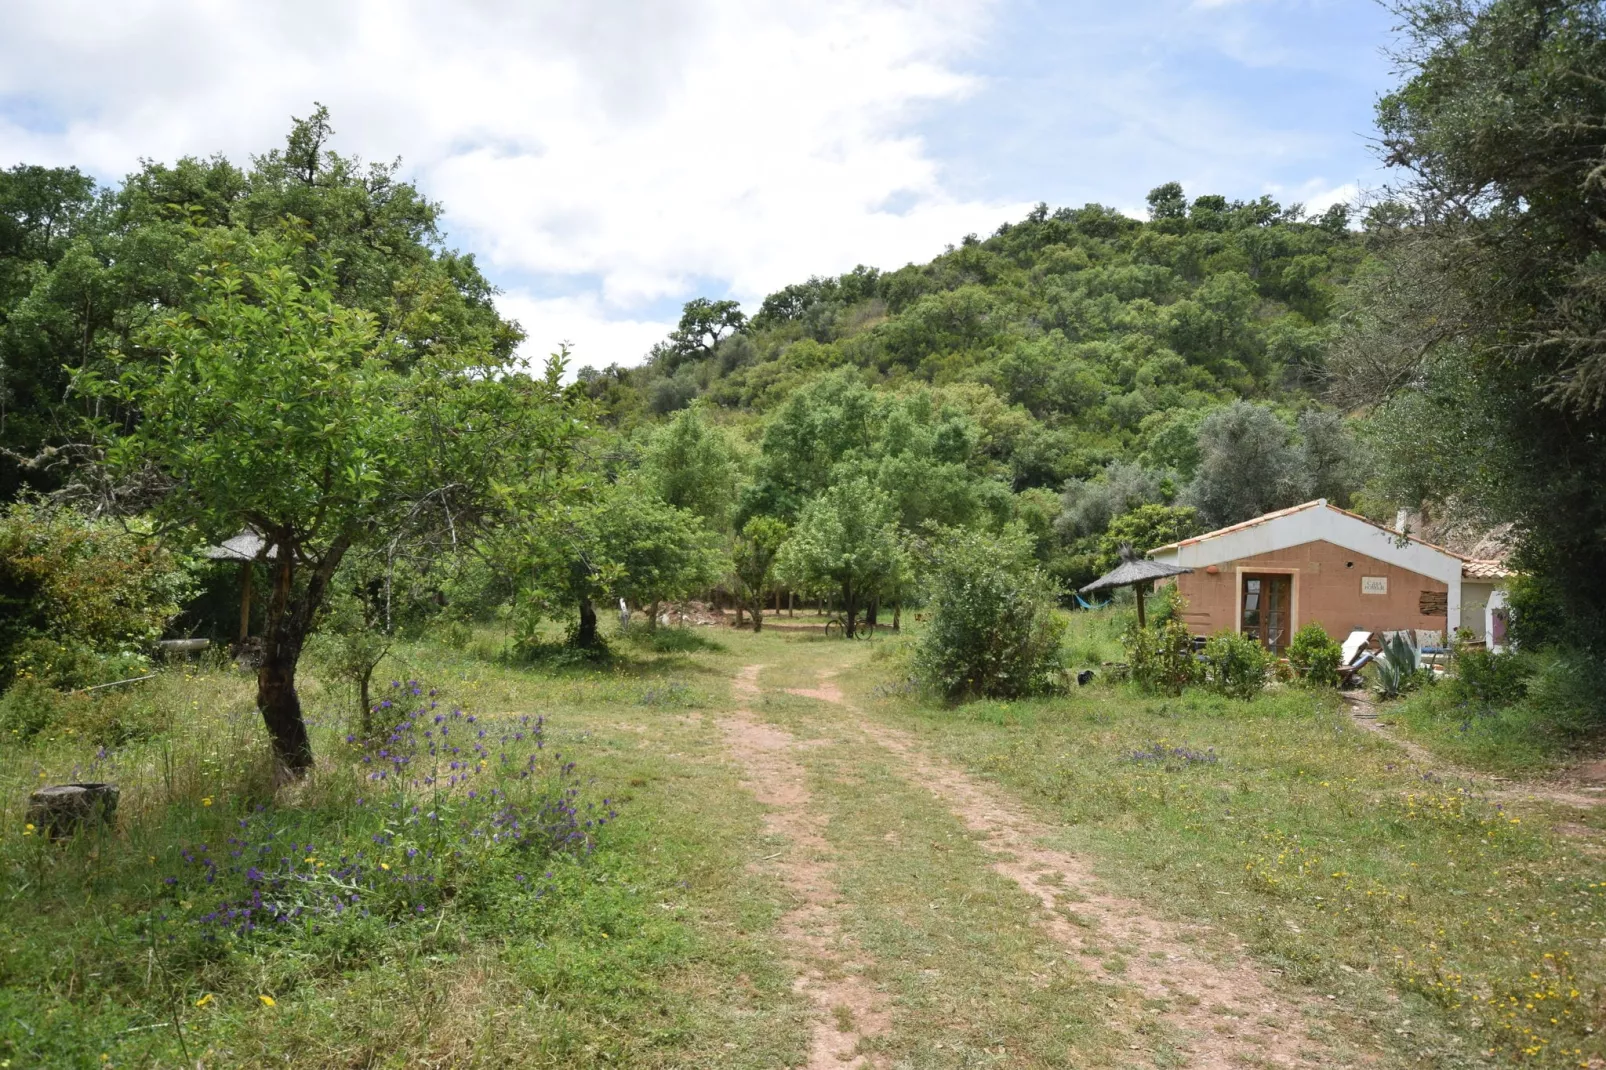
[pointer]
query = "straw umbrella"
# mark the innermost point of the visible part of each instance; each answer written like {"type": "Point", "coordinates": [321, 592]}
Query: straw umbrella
{"type": "Point", "coordinates": [246, 548]}
{"type": "Point", "coordinates": [1134, 571]}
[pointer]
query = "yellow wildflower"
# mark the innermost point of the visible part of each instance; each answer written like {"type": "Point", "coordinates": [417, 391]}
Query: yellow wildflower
{"type": "Point", "coordinates": [204, 1000]}
{"type": "Point", "coordinates": [268, 1001]}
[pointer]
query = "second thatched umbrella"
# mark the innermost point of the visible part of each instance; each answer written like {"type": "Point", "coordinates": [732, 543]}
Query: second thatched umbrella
{"type": "Point", "coordinates": [1134, 571]}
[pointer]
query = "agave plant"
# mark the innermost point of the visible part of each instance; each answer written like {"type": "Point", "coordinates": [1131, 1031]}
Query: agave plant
{"type": "Point", "coordinates": [1397, 668]}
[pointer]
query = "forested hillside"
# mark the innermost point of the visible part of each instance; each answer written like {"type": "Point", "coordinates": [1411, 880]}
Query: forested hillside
{"type": "Point", "coordinates": [1077, 350]}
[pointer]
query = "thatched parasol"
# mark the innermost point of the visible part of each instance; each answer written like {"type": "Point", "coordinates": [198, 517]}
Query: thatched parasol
{"type": "Point", "coordinates": [246, 548]}
{"type": "Point", "coordinates": [1132, 572]}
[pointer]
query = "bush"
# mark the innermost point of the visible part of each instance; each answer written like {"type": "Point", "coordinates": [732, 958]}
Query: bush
{"type": "Point", "coordinates": [1161, 659]}
{"type": "Point", "coordinates": [1489, 680]}
{"type": "Point", "coordinates": [81, 601]}
{"type": "Point", "coordinates": [1236, 665]}
{"type": "Point", "coordinates": [1568, 692]}
{"type": "Point", "coordinates": [993, 627]}
{"type": "Point", "coordinates": [1315, 656]}
{"type": "Point", "coordinates": [27, 709]}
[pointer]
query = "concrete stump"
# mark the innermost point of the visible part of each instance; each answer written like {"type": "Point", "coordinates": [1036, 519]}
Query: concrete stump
{"type": "Point", "coordinates": [59, 811]}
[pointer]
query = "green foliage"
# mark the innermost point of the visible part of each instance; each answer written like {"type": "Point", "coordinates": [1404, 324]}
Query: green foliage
{"type": "Point", "coordinates": [757, 547]}
{"type": "Point", "coordinates": [1160, 659]}
{"type": "Point", "coordinates": [1481, 320]}
{"type": "Point", "coordinates": [690, 464]}
{"type": "Point", "coordinates": [83, 272]}
{"type": "Point", "coordinates": [27, 708]}
{"type": "Point", "coordinates": [1315, 656]}
{"type": "Point", "coordinates": [1236, 665]}
{"type": "Point", "coordinates": [845, 542]}
{"type": "Point", "coordinates": [1399, 669]}
{"type": "Point", "coordinates": [276, 407]}
{"type": "Point", "coordinates": [1145, 528]}
{"type": "Point", "coordinates": [993, 629]}
{"type": "Point", "coordinates": [81, 601]}
{"type": "Point", "coordinates": [624, 542]}
{"type": "Point", "coordinates": [1488, 680]}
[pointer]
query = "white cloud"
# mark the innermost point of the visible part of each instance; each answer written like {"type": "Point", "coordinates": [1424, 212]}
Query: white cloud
{"type": "Point", "coordinates": [594, 335]}
{"type": "Point", "coordinates": [645, 148]}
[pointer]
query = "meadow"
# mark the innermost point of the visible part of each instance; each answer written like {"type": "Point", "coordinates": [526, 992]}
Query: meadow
{"type": "Point", "coordinates": [573, 868]}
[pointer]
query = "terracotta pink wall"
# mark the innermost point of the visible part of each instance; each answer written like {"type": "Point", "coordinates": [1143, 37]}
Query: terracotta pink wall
{"type": "Point", "coordinates": [1327, 589]}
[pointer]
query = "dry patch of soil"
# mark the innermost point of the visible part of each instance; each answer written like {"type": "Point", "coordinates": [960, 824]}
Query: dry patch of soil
{"type": "Point", "coordinates": [847, 1008]}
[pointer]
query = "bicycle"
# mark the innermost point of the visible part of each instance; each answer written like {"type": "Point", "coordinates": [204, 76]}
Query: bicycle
{"type": "Point", "coordinates": [863, 630]}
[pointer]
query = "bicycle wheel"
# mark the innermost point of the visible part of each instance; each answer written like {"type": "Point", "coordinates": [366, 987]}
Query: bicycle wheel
{"type": "Point", "coordinates": [864, 630]}
{"type": "Point", "coordinates": [840, 629]}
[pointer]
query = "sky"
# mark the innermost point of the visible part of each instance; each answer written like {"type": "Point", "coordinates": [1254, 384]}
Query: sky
{"type": "Point", "coordinates": [610, 160]}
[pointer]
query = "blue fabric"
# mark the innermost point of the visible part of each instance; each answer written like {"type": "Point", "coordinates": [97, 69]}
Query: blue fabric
{"type": "Point", "coordinates": [1085, 604]}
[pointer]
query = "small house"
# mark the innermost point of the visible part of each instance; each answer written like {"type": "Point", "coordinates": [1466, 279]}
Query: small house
{"type": "Point", "coordinates": [1270, 576]}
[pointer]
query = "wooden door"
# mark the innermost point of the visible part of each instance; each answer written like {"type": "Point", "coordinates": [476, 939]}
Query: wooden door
{"type": "Point", "coordinates": [1267, 608]}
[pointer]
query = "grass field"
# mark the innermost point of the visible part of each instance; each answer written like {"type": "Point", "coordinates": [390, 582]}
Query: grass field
{"type": "Point", "coordinates": [1399, 917]}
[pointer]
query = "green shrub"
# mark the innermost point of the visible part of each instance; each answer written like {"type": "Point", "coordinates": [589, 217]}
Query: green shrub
{"type": "Point", "coordinates": [1161, 659]}
{"type": "Point", "coordinates": [1568, 692]}
{"type": "Point", "coordinates": [81, 601]}
{"type": "Point", "coordinates": [1315, 656]}
{"type": "Point", "coordinates": [993, 628]}
{"type": "Point", "coordinates": [1487, 679]}
{"type": "Point", "coordinates": [28, 708]}
{"type": "Point", "coordinates": [1236, 665]}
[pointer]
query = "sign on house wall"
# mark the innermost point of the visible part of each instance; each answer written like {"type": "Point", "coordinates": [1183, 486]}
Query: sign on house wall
{"type": "Point", "coordinates": [1374, 585]}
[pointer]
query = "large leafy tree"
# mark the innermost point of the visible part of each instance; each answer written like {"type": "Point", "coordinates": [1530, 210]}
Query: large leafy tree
{"type": "Point", "coordinates": [846, 541]}
{"type": "Point", "coordinates": [84, 272]}
{"type": "Point", "coordinates": [1485, 318]}
{"type": "Point", "coordinates": [275, 407]}
{"type": "Point", "coordinates": [621, 541]}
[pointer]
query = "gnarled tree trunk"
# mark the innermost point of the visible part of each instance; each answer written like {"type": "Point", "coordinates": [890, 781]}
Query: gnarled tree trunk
{"type": "Point", "coordinates": [290, 617]}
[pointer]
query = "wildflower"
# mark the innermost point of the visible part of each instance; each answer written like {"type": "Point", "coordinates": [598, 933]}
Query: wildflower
{"type": "Point", "coordinates": [28, 829]}
{"type": "Point", "coordinates": [204, 1000]}
{"type": "Point", "coordinates": [268, 1001]}
{"type": "Point", "coordinates": [384, 865]}
{"type": "Point", "coordinates": [207, 801]}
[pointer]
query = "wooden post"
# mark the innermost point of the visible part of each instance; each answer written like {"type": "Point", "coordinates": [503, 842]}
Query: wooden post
{"type": "Point", "coordinates": [1137, 589]}
{"type": "Point", "coordinates": [245, 600]}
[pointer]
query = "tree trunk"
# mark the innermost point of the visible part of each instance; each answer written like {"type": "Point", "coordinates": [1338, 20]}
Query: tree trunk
{"type": "Point", "coordinates": [897, 616]}
{"type": "Point", "coordinates": [871, 610]}
{"type": "Point", "coordinates": [652, 617]}
{"type": "Point", "coordinates": [739, 608]}
{"type": "Point", "coordinates": [849, 610]}
{"type": "Point", "coordinates": [586, 637]}
{"type": "Point", "coordinates": [789, 610]}
{"type": "Point", "coordinates": [281, 709]}
{"type": "Point", "coordinates": [365, 703]}
{"type": "Point", "coordinates": [758, 612]}
{"type": "Point", "coordinates": [246, 568]}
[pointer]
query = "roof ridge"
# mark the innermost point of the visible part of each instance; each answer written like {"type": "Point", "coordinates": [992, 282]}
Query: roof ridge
{"type": "Point", "coordinates": [1321, 503]}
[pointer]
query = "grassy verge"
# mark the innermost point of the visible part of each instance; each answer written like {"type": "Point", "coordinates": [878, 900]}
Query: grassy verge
{"type": "Point", "coordinates": [449, 920]}
{"type": "Point", "coordinates": [1463, 932]}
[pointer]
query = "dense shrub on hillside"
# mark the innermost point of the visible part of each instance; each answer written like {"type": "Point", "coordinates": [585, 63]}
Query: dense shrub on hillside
{"type": "Point", "coordinates": [994, 630]}
{"type": "Point", "coordinates": [80, 599]}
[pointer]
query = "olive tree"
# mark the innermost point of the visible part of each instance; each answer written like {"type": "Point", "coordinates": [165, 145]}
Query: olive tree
{"type": "Point", "coordinates": [276, 408]}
